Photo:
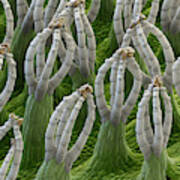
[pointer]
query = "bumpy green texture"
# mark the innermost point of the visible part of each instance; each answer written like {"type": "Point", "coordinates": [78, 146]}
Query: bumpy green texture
{"type": "Point", "coordinates": [78, 80]}
{"type": "Point", "coordinates": [19, 46]}
{"type": "Point", "coordinates": [52, 171]}
{"type": "Point", "coordinates": [2, 23]}
{"type": "Point", "coordinates": [175, 42]}
{"type": "Point", "coordinates": [106, 45]}
{"type": "Point", "coordinates": [106, 11]}
{"type": "Point", "coordinates": [111, 153]}
{"type": "Point", "coordinates": [36, 119]}
{"type": "Point", "coordinates": [16, 105]}
{"type": "Point", "coordinates": [176, 111]}
{"type": "Point", "coordinates": [154, 168]}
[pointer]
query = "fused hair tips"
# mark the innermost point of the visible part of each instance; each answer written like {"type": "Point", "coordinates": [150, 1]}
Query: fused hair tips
{"type": "Point", "coordinates": [85, 90]}
{"type": "Point", "coordinates": [57, 23]}
{"type": "Point", "coordinates": [157, 82]}
{"type": "Point", "coordinates": [76, 3]}
{"type": "Point", "coordinates": [126, 52]}
{"type": "Point", "coordinates": [4, 48]}
{"type": "Point", "coordinates": [137, 21]}
{"type": "Point", "coordinates": [16, 118]}
{"type": "Point", "coordinates": [20, 121]}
